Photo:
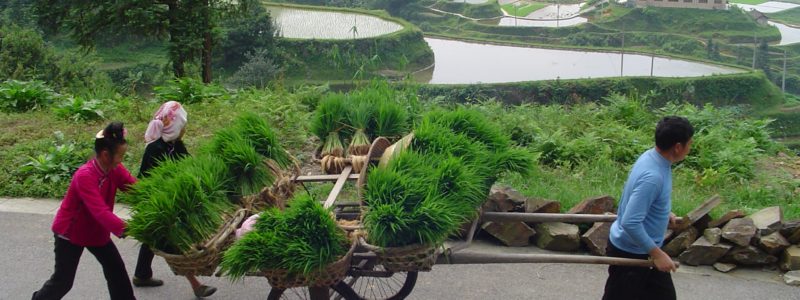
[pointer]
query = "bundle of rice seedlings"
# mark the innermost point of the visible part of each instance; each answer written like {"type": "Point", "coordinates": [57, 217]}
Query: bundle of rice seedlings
{"type": "Point", "coordinates": [432, 138]}
{"type": "Point", "coordinates": [264, 139]}
{"type": "Point", "coordinates": [245, 166]}
{"type": "Point", "coordinates": [391, 120]}
{"type": "Point", "coordinates": [186, 209]}
{"type": "Point", "coordinates": [301, 239]}
{"type": "Point", "coordinates": [458, 182]}
{"type": "Point", "coordinates": [359, 117]}
{"type": "Point", "coordinates": [142, 190]}
{"type": "Point", "coordinates": [329, 119]}
{"type": "Point", "coordinates": [474, 125]}
{"type": "Point", "coordinates": [429, 223]}
{"type": "Point", "coordinates": [516, 160]}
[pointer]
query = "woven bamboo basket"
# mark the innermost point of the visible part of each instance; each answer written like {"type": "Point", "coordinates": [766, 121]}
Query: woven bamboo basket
{"type": "Point", "coordinates": [411, 258]}
{"type": "Point", "coordinates": [204, 259]}
{"type": "Point", "coordinates": [279, 192]}
{"type": "Point", "coordinates": [330, 275]}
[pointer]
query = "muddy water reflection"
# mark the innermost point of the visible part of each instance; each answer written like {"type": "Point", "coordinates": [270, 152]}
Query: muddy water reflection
{"type": "Point", "coordinates": [462, 62]}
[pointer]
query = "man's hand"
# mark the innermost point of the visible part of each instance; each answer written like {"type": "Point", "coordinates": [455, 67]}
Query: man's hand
{"type": "Point", "coordinates": [673, 220]}
{"type": "Point", "coordinates": [662, 261]}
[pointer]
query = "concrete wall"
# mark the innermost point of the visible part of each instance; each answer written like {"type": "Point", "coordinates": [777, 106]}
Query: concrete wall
{"type": "Point", "coordinates": [701, 4]}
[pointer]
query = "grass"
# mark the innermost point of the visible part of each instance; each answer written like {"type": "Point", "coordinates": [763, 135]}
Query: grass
{"type": "Point", "coordinates": [751, 2]}
{"type": "Point", "coordinates": [789, 16]}
{"type": "Point", "coordinates": [31, 133]}
{"type": "Point", "coordinates": [523, 10]}
{"type": "Point", "coordinates": [489, 9]}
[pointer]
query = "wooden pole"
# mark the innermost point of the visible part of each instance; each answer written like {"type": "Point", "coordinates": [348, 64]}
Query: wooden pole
{"type": "Point", "coordinates": [512, 258]}
{"type": "Point", "coordinates": [622, 53]}
{"type": "Point", "coordinates": [542, 217]}
{"type": "Point", "coordinates": [337, 188]}
{"type": "Point", "coordinates": [324, 178]}
{"type": "Point", "coordinates": [652, 62]}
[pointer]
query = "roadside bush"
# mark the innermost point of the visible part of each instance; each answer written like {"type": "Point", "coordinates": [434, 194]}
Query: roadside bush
{"type": "Point", "coordinates": [79, 109]}
{"type": "Point", "coordinates": [24, 55]}
{"type": "Point", "coordinates": [57, 164]}
{"type": "Point", "coordinates": [258, 71]}
{"type": "Point", "coordinates": [22, 96]}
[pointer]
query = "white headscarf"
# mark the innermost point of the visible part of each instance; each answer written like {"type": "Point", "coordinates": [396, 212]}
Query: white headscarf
{"type": "Point", "coordinates": [167, 123]}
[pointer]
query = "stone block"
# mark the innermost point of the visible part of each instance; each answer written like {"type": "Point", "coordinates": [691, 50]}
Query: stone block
{"type": "Point", "coordinates": [739, 231]}
{"type": "Point", "coordinates": [557, 236]}
{"type": "Point", "coordinates": [513, 234]}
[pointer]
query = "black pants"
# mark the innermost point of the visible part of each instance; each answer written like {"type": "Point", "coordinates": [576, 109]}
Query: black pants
{"type": "Point", "coordinates": [633, 283]}
{"type": "Point", "coordinates": [67, 257]}
{"type": "Point", "coordinates": [144, 263]}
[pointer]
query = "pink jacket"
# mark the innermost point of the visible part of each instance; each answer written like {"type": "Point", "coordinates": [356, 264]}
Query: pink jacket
{"type": "Point", "coordinates": [86, 216]}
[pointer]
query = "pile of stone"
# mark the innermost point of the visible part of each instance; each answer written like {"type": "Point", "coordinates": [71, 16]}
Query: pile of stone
{"type": "Point", "coordinates": [735, 239]}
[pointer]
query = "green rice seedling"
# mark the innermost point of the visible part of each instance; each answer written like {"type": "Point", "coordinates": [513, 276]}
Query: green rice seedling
{"type": "Point", "coordinates": [515, 160]}
{"type": "Point", "coordinates": [145, 187]}
{"type": "Point", "coordinates": [359, 117]}
{"type": "Point", "coordinates": [383, 186]}
{"type": "Point", "coordinates": [245, 166]}
{"type": "Point", "coordinates": [474, 125]}
{"type": "Point", "coordinates": [391, 120]}
{"type": "Point", "coordinates": [432, 138]}
{"type": "Point", "coordinates": [456, 181]}
{"type": "Point", "coordinates": [436, 219]}
{"type": "Point", "coordinates": [389, 225]}
{"type": "Point", "coordinates": [250, 254]}
{"type": "Point", "coordinates": [186, 209]}
{"type": "Point", "coordinates": [264, 139]}
{"type": "Point", "coordinates": [301, 239]}
{"type": "Point", "coordinates": [329, 119]}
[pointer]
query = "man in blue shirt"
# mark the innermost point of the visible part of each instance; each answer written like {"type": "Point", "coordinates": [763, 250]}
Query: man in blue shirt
{"type": "Point", "coordinates": [643, 215]}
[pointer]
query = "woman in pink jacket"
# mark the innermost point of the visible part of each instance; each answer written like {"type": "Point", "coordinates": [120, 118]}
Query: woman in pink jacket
{"type": "Point", "coordinates": [86, 219]}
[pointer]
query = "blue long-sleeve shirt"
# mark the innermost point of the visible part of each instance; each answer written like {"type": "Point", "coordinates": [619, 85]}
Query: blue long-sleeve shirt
{"type": "Point", "coordinates": [645, 205]}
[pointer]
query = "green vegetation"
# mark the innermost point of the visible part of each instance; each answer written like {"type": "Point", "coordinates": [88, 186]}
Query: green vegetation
{"type": "Point", "coordinates": [490, 9]}
{"type": "Point", "coordinates": [181, 204]}
{"type": "Point", "coordinates": [789, 16]}
{"type": "Point", "coordinates": [751, 2]}
{"type": "Point", "coordinates": [732, 25]}
{"type": "Point", "coordinates": [585, 150]}
{"type": "Point", "coordinates": [302, 239]}
{"type": "Point", "coordinates": [750, 89]}
{"type": "Point", "coordinates": [523, 9]}
{"type": "Point", "coordinates": [395, 53]}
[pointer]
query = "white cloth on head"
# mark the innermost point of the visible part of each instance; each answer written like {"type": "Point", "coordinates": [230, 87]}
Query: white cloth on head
{"type": "Point", "coordinates": [167, 123]}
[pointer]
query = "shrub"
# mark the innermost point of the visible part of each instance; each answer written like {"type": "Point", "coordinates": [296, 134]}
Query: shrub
{"type": "Point", "coordinates": [22, 96]}
{"type": "Point", "coordinates": [79, 109]}
{"type": "Point", "coordinates": [60, 161]}
{"type": "Point", "coordinates": [258, 70]}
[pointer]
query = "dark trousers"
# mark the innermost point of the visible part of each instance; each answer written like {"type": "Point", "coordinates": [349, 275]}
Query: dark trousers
{"type": "Point", "coordinates": [67, 257]}
{"type": "Point", "coordinates": [633, 283]}
{"type": "Point", "coordinates": [144, 263]}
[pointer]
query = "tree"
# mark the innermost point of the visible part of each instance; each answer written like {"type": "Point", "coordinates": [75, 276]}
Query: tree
{"type": "Point", "coordinates": [252, 32]}
{"type": "Point", "coordinates": [762, 58]}
{"type": "Point", "coordinates": [188, 25]}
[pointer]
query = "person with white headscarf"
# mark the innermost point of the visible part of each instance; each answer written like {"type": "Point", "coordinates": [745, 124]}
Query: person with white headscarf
{"type": "Point", "coordinates": [163, 138]}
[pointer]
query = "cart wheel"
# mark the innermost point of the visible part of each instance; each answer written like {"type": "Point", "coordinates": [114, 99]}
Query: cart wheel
{"type": "Point", "coordinates": [380, 284]}
{"type": "Point", "coordinates": [338, 291]}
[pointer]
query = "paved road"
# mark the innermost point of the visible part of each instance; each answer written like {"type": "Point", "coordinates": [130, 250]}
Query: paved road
{"type": "Point", "coordinates": [27, 260]}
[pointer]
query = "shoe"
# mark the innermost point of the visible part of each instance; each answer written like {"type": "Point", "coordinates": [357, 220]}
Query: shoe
{"type": "Point", "coordinates": [204, 291]}
{"type": "Point", "coordinates": [149, 282]}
